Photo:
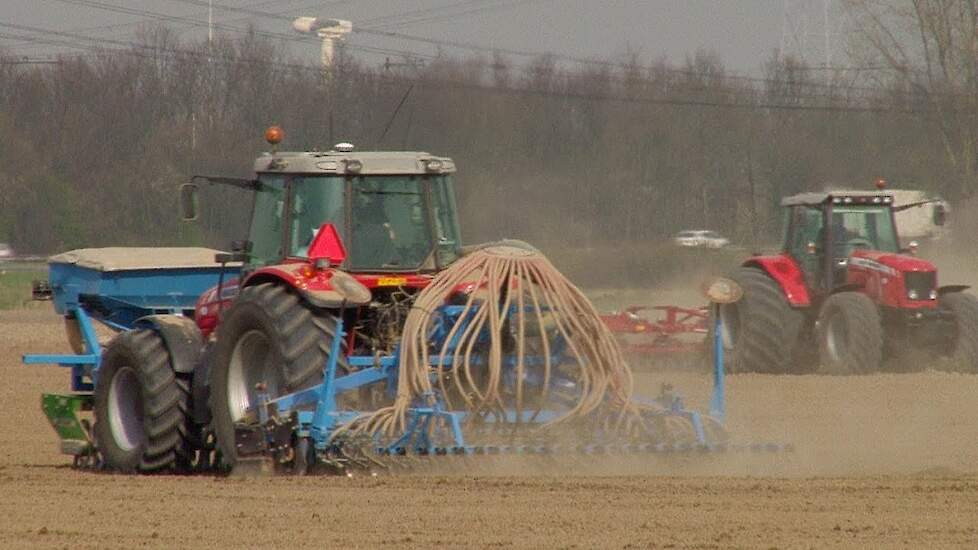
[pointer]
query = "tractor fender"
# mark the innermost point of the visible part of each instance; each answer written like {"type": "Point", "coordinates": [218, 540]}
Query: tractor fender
{"type": "Point", "coordinates": [787, 274]}
{"type": "Point", "coordinates": [325, 288]}
{"type": "Point", "coordinates": [181, 335]}
{"type": "Point", "coordinates": [950, 289]}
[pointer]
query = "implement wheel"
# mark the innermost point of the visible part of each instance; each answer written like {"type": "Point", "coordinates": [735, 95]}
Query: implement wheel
{"type": "Point", "coordinates": [140, 408]}
{"type": "Point", "coordinates": [269, 337]}
{"type": "Point", "coordinates": [963, 346]}
{"type": "Point", "coordinates": [850, 334]}
{"type": "Point", "coordinates": [760, 330]}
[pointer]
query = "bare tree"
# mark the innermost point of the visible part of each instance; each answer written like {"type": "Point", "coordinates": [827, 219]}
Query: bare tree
{"type": "Point", "coordinates": [933, 46]}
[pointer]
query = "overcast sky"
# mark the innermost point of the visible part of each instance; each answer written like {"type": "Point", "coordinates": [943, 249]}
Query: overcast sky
{"type": "Point", "coordinates": [742, 32]}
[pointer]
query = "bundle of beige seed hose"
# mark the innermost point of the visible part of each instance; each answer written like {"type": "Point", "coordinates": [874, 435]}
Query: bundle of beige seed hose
{"type": "Point", "coordinates": [525, 306]}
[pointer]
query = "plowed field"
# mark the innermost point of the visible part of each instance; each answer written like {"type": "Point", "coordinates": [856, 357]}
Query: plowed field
{"type": "Point", "coordinates": [881, 461]}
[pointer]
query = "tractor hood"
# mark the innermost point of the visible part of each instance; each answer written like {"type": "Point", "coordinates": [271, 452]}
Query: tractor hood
{"type": "Point", "coordinates": [888, 262]}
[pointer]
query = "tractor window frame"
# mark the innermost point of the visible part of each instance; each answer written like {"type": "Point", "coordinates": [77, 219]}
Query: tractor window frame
{"type": "Point", "coordinates": [259, 256]}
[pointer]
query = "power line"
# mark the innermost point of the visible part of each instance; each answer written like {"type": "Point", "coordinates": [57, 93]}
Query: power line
{"type": "Point", "coordinates": [228, 28]}
{"type": "Point", "coordinates": [477, 48]}
{"type": "Point", "coordinates": [143, 21]}
{"type": "Point", "coordinates": [442, 84]}
{"type": "Point", "coordinates": [436, 18]}
{"type": "Point", "coordinates": [445, 84]}
{"type": "Point", "coordinates": [29, 61]}
{"type": "Point", "coordinates": [380, 20]}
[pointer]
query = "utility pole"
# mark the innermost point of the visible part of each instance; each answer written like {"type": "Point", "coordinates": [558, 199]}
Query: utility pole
{"type": "Point", "coordinates": [210, 22]}
{"type": "Point", "coordinates": [827, 28]}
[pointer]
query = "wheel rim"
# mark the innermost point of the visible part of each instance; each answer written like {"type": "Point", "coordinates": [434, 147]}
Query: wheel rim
{"type": "Point", "coordinates": [251, 365]}
{"type": "Point", "coordinates": [836, 337]}
{"type": "Point", "coordinates": [125, 409]}
{"type": "Point", "coordinates": [729, 325]}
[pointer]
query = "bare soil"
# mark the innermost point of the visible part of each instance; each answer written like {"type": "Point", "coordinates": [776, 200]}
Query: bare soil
{"type": "Point", "coordinates": [881, 461]}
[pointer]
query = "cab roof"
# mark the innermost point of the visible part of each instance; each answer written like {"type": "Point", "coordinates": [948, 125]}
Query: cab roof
{"type": "Point", "coordinates": [838, 197]}
{"type": "Point", "coordinates": [354, 162]}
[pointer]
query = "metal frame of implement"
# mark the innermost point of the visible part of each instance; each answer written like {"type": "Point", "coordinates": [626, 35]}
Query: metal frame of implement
{"type": "Point", "coordinates": [314, 413]}
{"type": "Point", "coordinates": [319, 423]}
{"type": "Point", "coordinates": [642, 336]}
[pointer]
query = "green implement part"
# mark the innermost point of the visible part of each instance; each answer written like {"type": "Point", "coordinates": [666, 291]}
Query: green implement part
{"type": "Point", "coordinates": [62, 412]}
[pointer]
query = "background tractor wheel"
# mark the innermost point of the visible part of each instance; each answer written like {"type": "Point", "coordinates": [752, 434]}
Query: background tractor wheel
{"type": "Point", "coordinates": [760, 331]}
{"type": "Point", "coordinates": [271, 336]}
{"type": "Point", "coordinates": [140, 409]}
{"type": "Point", "coordinates": [850, 335]}
{"type": "Point", "coordinates": [963, 349]}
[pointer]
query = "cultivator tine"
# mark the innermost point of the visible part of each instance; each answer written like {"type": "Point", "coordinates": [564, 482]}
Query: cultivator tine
{"type": "Point", "coordinates": [447, 459]}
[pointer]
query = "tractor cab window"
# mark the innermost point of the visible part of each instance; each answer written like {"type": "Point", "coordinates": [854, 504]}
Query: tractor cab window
{"type": "Point", "coordinates": [389, 224]}
{"type": "Point", "coordinates": [861, 227]}
{"type": "Point", "coordinates": [266, 226]}
{"type": "Point", "coordinates": [804, 227]}
{"type": "Point", "coordinates": [315, 200]}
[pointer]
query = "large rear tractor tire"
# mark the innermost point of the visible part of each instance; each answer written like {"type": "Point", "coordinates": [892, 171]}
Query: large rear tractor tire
{"type": "Point", "coordinates": [269, 336]}
{"type": "Point", "coordinates": [850, 334]}
{"type": "Point", "coordinates": [962, 351]}
{"type": "Point", "coordinates": [759, 331]}
{"type": "Point", "coordinates": [140, 407]}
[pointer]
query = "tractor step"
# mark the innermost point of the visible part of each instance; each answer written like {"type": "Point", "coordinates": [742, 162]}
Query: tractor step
{"type": "Point", "coordinates": [62, 412]}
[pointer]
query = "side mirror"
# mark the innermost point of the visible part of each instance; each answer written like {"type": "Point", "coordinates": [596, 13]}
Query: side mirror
{"type": "Point", "coordinates": [940, 214]}
{"type": "Point", "coordinates": [188, 202]}
{"type": "Point", "coordinates": [243, 246]}
{"type": "Point", "coordinates": [240, 252]}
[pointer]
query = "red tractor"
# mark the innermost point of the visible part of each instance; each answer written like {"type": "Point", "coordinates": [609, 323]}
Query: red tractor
{"type": "Point", "coordinates": [842, 286]}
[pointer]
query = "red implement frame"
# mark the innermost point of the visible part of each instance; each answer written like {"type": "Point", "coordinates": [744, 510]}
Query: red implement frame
{"type": "Point", "coordinates": [658, 336]}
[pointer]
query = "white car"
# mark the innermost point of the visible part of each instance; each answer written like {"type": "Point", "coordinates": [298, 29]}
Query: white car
{"type": "Point", "coordinates": [701, 237]}
{"type": "Point", "coordinates": [6, 251]}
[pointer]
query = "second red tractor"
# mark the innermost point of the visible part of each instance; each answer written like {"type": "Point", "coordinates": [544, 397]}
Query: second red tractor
{"type": "Point", "coordinates": [843, 297]}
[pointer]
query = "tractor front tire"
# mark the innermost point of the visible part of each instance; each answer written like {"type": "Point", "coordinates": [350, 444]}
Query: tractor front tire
{"type": "Point", "coordinates": [270, 336]}
{"type": "Point", "coordinates": [760, 330]}
{"type": "Point", "coordinates": [850, 334]}
{"type": "Point", "coordinates": [140, 407]}
{"type": "Point", "coordinates": [963, 349]}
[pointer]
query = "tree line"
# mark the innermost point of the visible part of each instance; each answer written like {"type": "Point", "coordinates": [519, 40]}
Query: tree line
{"type": "Point", "coordinates": [93, 148]}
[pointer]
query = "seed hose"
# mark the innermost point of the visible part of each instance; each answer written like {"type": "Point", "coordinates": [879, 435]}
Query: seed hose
{"type": "Point", "coordinates": [515, 307]}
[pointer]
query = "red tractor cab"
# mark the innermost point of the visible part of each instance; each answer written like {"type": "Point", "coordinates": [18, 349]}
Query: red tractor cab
{"type": "Point", "coordinates": [842, 295]}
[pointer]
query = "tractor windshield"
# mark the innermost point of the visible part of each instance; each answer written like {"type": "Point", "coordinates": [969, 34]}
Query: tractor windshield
{"type": "Point", "coordinates": [864, 227]}
{"type": "Point", "coordinates": [852, 227]}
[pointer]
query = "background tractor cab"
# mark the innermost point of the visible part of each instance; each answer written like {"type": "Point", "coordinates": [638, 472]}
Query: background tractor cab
{"type": "Point", "coordinates": [843, 287]}
{"type": "Point", "coordinates": [825, 229]}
